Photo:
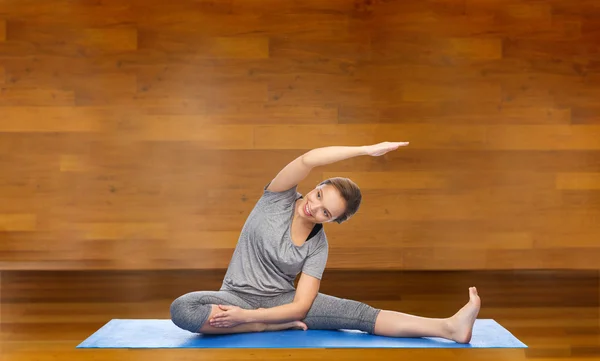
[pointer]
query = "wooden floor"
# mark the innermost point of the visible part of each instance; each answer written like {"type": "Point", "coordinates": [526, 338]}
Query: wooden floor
{"type": "Point", "coordinates": [45, 315]}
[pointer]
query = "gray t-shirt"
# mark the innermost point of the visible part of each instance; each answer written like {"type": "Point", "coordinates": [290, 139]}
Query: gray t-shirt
{"type": "Point", "coordinates": [266, 261]}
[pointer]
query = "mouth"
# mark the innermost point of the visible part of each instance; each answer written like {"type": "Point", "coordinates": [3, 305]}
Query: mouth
{"type": "Point", "coordinates": [306, 210]}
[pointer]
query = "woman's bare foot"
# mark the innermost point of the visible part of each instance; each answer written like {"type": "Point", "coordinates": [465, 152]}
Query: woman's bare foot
{"type": "Point", "coordinates": [298, 325]}
{"type": "Point", "coordinates": [461, 324]}
{"type": "Point", "coordinates": [294, 325]}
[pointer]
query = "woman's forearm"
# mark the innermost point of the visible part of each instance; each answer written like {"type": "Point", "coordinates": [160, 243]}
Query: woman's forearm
{"type": "Point", "coordinates": [280, 314]}
{"type": "Point", "coordinates": [327, 155]}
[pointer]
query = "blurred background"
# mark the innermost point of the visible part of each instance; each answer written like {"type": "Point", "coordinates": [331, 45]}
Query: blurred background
{"type": "Point", "coordinates": [136, 137]}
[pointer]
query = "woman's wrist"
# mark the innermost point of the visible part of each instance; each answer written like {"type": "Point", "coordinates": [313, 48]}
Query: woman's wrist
{"type": "Point", "coordinates": [248, 316]}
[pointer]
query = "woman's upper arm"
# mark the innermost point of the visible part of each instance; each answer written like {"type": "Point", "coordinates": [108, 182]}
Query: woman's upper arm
{"type": "Point", "coordinates": [306, 291]}
{"type": "Point", "coordinates": [290, 176]}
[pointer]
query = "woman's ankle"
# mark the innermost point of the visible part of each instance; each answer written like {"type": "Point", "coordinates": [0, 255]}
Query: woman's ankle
{"type": "Point", "coordinates": [293, 325]}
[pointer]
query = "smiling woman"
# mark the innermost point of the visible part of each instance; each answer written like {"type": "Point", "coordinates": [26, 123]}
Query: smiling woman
{"type": "Point", "coordinates": [283, 237]}
{"type": "Point", "coordinates": [326, 203]}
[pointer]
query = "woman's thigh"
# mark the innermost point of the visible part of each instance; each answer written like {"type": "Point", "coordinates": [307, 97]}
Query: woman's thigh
{"type": "Point", "coordinates": [333, 313]}
{"type": "Point", "coordinates": [191, 310]}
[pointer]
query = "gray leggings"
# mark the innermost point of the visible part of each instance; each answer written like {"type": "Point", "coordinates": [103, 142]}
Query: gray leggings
{"type": "Point", "coordinates": [192, 310]}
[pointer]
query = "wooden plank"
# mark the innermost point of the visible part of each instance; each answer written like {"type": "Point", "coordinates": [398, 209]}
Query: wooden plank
{"type": "Point", "coordinates": [556, 137]}
{"type": "Point", "coordinates": [173, 128]}
{"type": "Point", "coordinates": [316, 89]}
{"type": "Point", "coordinates": [449, 113]}
{"type": "Point", "coordinates": [420, 136]}
{"type": "Point", "coordinates": [544, 49]}
{"type": "Point", "coordinates": [17, 222]}
{"type": "Point", "coordinates": [437, 21]}
{"type": "Point", "coordinates": [205, 47]}
{"type": "Point", "coordinates": [55, 71]}
{"type": "Point", "coordinates": [64, 13]}
{"type": "Point", "coordinates": [230, 89]}
{"type": "Point", "coordinates": [65, 41]}
{"type": "Point", "coordinates": [578, 181]}
{"type": "Point", "coordinates": [54, 119]}
{"type": "Point", "coordinates": [121, 230]}
{"type": "Point", "coordinates": [395, 180]}
{"type": "Point", "coordinates": [314, 7]}
{"type": "Point", "coordinates": [514, 19]}
{"type": "Point", "coordinates": [586, 114]}
{"type": "Point", "coordinates": [160, 105]}
{"type": "Point", "coordinates": [412, 48]}
{"type": "Point", "coordinates": [103, 89]}
{"type": "Point", "coordinates": [435, 238]}
{"type": "Point", "coordinates": [420, 92]}
{"type": "Point", "coordinates": [2, 30]}
{"type": "Point", "coordinates": [579, 239]}
{"type": "Point", "coordinates": [242, 113]}
{"type": "Point", "coordinates": [260, 113]}
{"type": "Point", "coordinates": [12, 96]}
{"type": "Point", "coordinates": [100, 81]}
{"type": "Point", "coordinates": [74, 163]}
{"type": "Point", "coordinates": [350, 50]}
{"type": "Point", "coordinates": [584, 257]}
{"type": "Point", "coordinates": [519, 19]}
{"type": "Point", "coordinates": [195, 239]}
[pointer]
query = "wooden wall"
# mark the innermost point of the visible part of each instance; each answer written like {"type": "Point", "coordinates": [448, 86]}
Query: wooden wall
{"type": "Point", "coordinates": [138, 134]}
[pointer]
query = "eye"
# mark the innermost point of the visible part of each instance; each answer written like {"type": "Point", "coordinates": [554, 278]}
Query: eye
{"type": "Point", "coordinates": [319, 196]}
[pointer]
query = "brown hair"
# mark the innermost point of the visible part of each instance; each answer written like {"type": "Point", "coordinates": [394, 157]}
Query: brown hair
{"type": "Point", "coordinates": [351, 194]}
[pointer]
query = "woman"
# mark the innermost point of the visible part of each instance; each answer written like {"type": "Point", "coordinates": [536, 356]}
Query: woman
{"type": "Point", "coordinates": [283, 237]}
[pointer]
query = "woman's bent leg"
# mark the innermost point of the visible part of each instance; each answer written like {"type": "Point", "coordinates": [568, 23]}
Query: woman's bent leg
{"type": "Point", "coordinates": [247, 327]}
{"type": "Point", "coordinates": [192, 311]}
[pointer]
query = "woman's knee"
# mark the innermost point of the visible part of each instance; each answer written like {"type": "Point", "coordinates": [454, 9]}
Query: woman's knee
{"type": "Point", "coordinates": [328, 312]}
{"type": "Point", "coordinates": [190, 311]}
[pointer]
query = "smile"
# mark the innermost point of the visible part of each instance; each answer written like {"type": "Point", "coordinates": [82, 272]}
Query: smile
{"type": "Point", "coordinates": [306, 211]}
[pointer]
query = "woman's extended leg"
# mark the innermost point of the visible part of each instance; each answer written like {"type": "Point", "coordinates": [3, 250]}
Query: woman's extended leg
{"type": "Point", "coordinates": [191, 311]}
{"type": "Point", "coordinates": [332, 313]}
{"type": "Point", "coordinates": [457, 328]}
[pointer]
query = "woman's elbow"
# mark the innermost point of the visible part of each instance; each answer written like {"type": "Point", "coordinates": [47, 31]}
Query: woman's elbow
{"type": "Point", "coordinates": [302, 311]}
{"type": "Point", "coordinates": [302, 315]}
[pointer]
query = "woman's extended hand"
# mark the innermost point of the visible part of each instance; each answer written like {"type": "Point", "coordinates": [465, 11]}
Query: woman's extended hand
{"type": "Point", "coordinates": [376, 150]}
{"type": "Point", "coordinates": [231, 317]}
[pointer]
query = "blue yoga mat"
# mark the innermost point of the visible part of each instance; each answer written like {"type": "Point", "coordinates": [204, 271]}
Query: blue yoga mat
{"type": "Point", "coordinates": [124, 333]}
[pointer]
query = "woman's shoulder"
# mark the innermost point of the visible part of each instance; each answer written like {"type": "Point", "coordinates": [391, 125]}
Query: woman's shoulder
{"type": "Point", "coordinates": [284, 198]}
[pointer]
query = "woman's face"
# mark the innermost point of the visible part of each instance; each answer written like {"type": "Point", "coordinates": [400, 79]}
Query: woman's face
{"type": "Point", "coordinates": [322, 205]}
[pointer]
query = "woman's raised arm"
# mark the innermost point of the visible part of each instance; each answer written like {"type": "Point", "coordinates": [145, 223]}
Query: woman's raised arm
{"type": "Point", "coordinates": [299, 168]}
